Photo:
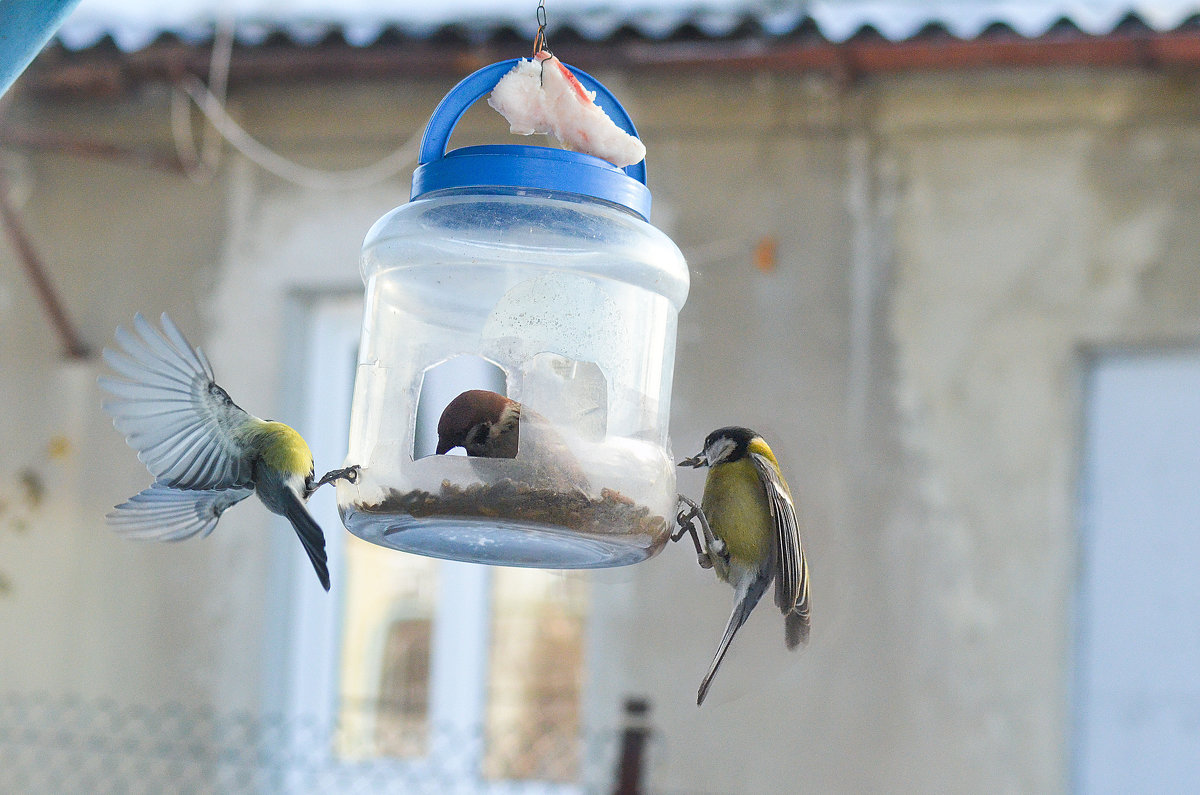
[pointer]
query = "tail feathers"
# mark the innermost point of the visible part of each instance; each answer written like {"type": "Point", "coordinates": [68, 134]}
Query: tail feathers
{"type": "Point", "coordinates": [796, 629]}
{"type": "Point", "coordinates": [797, 619]}
{"type": "Point", "coordinates": [310, 536]}
{"type": "Point", "coordinates": [741, 611]}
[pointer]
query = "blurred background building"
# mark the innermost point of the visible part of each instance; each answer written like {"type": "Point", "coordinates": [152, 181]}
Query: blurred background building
{"type": "Point", "coordinates": [945, 256]}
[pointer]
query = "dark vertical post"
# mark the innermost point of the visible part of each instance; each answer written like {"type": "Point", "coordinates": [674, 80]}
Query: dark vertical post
{"type": "Point", "coordinates": [634, 739]}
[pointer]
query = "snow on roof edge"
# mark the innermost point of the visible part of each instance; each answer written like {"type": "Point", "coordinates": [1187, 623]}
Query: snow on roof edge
{"type": "Point", "coordinates": [835, 20]}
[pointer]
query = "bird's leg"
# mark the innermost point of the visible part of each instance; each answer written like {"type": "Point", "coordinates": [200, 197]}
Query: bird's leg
{"type": "Point", "coordinates": [686, 525]}
{"type": "Point", "coordinates": [711, 544]}
{"type": "Point", "coordinates": [348, 474]}
{"type": "Point", "coordinates": [715, 545]}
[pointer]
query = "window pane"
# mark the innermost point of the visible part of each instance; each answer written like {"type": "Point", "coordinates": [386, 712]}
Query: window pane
{"type": "Point", "coordinates": [535, 675]}
{"type": "Point", "coordinates": [1138, 654]}
{"type": "Point", "coordinates": [386, 639]}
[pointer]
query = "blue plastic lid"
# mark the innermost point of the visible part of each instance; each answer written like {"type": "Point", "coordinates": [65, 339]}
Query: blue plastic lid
{"type": "Point", "coordinates": [533, 167]}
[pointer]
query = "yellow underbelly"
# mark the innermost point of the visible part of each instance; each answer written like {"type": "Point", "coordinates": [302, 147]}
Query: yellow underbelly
{"type": "Point", "coordinates": [735, 504]}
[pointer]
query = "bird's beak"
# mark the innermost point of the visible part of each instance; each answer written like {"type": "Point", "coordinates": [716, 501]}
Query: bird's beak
{"type": "Point", "coordinates": [696, 461]}
{"type": "Point", "coordinates": [444, 446]}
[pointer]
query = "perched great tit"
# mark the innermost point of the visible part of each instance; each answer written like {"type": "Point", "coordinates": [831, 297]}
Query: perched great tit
{"type": "Point", "coordinates": [754, 535]}
{"type": "Point", "coordinates": [204, 452]}
{"type": "Point", "coordinates": [489, 425]}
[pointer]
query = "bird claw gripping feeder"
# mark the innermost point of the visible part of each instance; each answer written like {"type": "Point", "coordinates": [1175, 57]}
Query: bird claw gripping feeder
{"type": "Point", "coordinates": [532, 273]}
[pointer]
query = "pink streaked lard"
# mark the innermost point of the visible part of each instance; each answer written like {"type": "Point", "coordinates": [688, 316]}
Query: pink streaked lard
{"type": "Point", "coordinates": [541, 96]}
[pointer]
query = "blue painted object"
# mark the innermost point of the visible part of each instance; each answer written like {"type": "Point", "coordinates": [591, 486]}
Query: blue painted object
{"type": "Point", "coordinates": [25, 27]}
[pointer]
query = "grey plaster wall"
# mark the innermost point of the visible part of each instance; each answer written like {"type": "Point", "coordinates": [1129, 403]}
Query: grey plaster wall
{"type": "Point", "coordinates": [950, 248]}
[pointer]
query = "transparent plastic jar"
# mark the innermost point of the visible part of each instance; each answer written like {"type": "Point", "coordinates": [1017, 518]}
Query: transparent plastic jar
{"type": "Point", "coordinates": [532, 273]}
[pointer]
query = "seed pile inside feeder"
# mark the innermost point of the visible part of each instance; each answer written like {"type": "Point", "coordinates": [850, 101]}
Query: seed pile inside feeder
{"type": "Point", "coordinates": [611, 513]}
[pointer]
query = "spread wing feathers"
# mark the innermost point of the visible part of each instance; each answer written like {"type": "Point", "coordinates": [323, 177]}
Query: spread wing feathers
{"type": "Point", "coordinates": [742, 607]}
{"type": "Point", "coordinates": [172, 411]}
{"type": "Point", "coordinates": [162, 513]}
{"type": "Point", "coordinates": [310, 535]}
{"type": "Point", "coordinates": [791, 581]}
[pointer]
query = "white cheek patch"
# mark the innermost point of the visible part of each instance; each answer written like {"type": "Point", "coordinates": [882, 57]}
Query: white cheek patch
{"type": "Point", "coordinates": [719, 450]}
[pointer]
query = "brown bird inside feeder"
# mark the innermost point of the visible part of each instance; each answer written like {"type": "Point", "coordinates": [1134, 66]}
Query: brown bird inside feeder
{"type": "Point", "coordinates": [485, 424]}
{"type": "Point", "coordinates": [489, 425]}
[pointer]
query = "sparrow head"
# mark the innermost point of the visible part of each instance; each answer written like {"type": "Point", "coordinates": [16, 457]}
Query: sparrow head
{"type": "Point", "coordinates": [722, 445]}
{"type": "Point", "coordinates": [483, 423]}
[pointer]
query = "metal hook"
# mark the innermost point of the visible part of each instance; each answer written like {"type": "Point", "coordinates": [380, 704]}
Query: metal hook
{"type": "Point", "coordinates": [539, 41]}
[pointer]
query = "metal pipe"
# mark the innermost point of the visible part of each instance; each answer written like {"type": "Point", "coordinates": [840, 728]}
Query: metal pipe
{"type": "Point", "coordinates": [72, 343]}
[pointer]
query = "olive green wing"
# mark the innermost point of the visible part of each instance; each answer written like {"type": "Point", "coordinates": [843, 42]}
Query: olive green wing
{"type": "Point", "coordinates": [791, 576]}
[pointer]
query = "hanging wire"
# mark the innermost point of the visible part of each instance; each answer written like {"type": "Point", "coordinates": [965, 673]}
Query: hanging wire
{"type": "Point", "coordinates": [201, 164]}
{"type": "Point", "coordinates": [218, 81]}
{"type": "Point", "coordinates": [539, 41]}
{"type": "Point", "coordinates": [291, 171]}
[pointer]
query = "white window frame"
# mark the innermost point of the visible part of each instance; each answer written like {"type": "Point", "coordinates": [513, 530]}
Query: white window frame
{"type": "Point", "coordinates": [460, 642]}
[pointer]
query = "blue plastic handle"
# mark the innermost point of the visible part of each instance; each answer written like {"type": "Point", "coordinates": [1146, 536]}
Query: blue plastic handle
{"type": "Point", "coordinates": [473, 87]}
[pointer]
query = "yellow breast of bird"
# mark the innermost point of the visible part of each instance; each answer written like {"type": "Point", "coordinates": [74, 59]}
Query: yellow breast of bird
{"type": "Point", "coordinates": [735, 505]}
{"type": "Point", "coordinates": [287, 451]}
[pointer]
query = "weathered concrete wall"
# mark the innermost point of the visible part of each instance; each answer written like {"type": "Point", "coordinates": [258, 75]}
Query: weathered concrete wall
{"type": "Point", "coordinates": [949, 249]}
{"type": "Point", "coordinates": [1021, 241]}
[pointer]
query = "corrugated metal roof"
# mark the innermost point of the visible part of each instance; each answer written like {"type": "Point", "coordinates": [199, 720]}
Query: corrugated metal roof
{"type": "Point", "coordinates": [134, 24]}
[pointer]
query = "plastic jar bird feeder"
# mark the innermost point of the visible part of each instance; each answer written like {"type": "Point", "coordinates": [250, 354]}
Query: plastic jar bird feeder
{"type": "Point", "coordinates": [533, 273]}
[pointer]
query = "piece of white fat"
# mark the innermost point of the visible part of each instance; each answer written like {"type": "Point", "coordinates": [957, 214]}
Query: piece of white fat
{"type": "Point", "coordinates": [542, 96]}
